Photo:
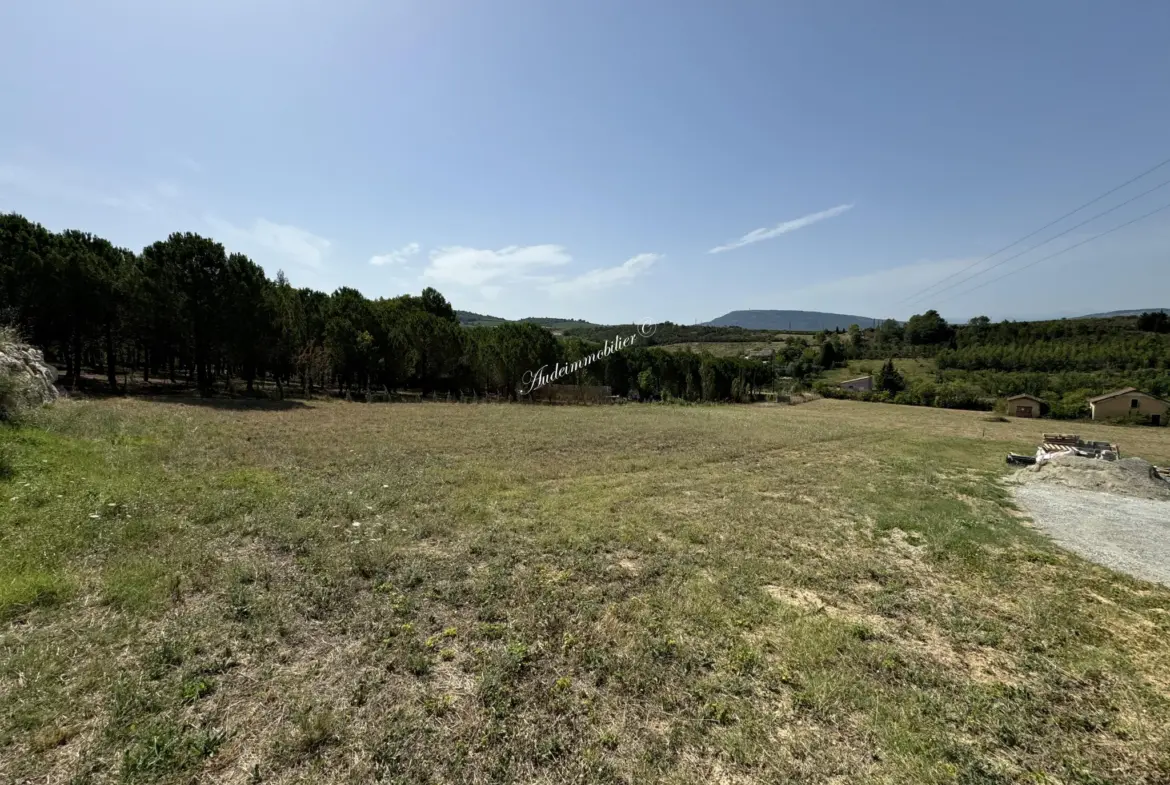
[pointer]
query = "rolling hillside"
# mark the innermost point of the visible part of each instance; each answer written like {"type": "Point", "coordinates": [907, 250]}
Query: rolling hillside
{"type": "Point", "coordinates": [470, 319]}
{"type": "Point", "coordinates": [791, 320]}
{"type": "Point", "coordinates": [1137, 312]}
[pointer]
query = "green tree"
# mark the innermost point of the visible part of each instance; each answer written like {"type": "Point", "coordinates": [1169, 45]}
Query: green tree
{"type": "Point", "coordinates": [927, 328]}
{"type": "Point", "coordinates": [197, 268]}
{"type": "Point", "coordinates": [348, 316]}
{"type": "Point", "coordinates": [830, 355]}
{"type": "Point", "coordinates": [250, 320]}
{"type": "Point", "coordinates": [1154, 322]}
{"type": "Point", "coordinates": [708, 380]}
{"type": "Point", "coordinates": [889, 379]}
{"type": "Point", "coordinates": [647, 383]}
{"type": "Point", "coordinates": [436, 305]}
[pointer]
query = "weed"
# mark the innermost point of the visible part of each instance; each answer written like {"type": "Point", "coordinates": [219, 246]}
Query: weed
{"type": "Point", "coordinates": [438, 706]}
{"type": "Point", "coordinates": [197, 687]}
{"type": "Point", "coordinates": [313, 730]}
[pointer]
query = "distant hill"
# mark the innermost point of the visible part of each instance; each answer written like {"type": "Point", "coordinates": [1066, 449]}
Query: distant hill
{"type": "Point", "coordinates": [469, 319]}
{"type": "Point", "coordinates": [553, 323]}
{"type": "Point", "coordinates": [1138, 312]}
{"type": "Point", "coordinates": [791, 320]}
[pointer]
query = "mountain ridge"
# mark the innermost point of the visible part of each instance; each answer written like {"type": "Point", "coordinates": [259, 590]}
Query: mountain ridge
{"type": "Point", "coordinates": [803, 321]}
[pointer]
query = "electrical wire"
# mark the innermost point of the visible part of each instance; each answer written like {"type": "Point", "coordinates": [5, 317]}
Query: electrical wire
{"type": "Point", "coordinates": [917, 296]}
{"type": "Point", "coordinates": [1058, 253]}
{"type": "Point", "coordinates": [1050, 239]}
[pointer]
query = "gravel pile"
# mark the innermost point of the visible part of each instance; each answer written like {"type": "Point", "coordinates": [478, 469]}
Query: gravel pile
{"type": "Point", "coordinates": [1127, 477]}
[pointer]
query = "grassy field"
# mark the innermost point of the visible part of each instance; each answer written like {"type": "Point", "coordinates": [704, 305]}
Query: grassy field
{"type": "Point", "coordinates": [726, 349]}
{"type": "Point", "coordinates": [331, 592]}
{"type": "Point", "coordinates": [912, 369]}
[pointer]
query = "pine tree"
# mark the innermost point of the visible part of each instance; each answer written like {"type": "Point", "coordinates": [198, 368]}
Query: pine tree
{"type": "Point", "coordinates": [889, 379]}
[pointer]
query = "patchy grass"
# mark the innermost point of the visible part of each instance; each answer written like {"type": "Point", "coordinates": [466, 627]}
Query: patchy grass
{"type": "Point", "coordinates": [912, 369]}
{"type": "Point", "coordinates": [433, 593]}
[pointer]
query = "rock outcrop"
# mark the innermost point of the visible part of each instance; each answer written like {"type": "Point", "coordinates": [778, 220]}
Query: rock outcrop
{"type": "Point", "coordinates": [25, 378]}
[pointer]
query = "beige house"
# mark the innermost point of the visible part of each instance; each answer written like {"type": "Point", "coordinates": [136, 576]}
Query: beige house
{"type": "Point", "coordinates": [858, 384]}
{"type": "Point", "coordinates": [1128, 401]}
{"type": "Point", "coordinates": [1024, 406]}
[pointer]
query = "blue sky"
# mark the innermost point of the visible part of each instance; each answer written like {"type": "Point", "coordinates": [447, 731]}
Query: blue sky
{"type": "Point", "coordinates": [584, 159]}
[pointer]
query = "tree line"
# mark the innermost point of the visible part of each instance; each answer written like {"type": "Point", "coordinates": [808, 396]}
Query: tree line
{"type": "Point", "coordinates": [1055, 346]}
{"type": "Point", "coordinates": [186, 311]}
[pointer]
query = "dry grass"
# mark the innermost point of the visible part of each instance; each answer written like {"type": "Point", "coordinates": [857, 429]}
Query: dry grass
{"type": "Point", "coordinates": [836, 592]}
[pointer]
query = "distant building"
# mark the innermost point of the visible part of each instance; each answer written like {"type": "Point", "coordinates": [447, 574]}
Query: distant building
{"type": "Point", "coordinates": [859, 384]}
{"type": "Point", "coordinates": [1024, 406]}
{"type": "Point", "coordinates": [1128, 401]}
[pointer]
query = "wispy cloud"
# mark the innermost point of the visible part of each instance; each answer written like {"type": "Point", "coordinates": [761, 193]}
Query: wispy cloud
{"type": "Point", "coordinates": [477, 267]}
{"type": "Point", "coordinates": [605, 277]}
{"type": "Point", "coordinates": [57, 183]}
{"type": "Point", "coordinates": [395, 258]}
{"type": "Point", "coordinates": [265, 238]}
{"type": "Point", "coordinates": [756, 235]}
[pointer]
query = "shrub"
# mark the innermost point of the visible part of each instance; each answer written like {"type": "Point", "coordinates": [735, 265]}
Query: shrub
{"type": "Point", "coordinates": [956, 395]}
{"type": "Point", "coordinates": [1072, 406]}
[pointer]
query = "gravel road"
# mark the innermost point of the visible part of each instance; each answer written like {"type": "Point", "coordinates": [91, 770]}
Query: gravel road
{"type": "Point", "coordinates": [1124, 533]}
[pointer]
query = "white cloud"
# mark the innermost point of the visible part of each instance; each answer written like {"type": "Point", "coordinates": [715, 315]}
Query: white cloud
{"type": "Point", "coordinates": [756, 235]}
{"type": "Point", "coordinates": [290, 243]}
{"type": "Point", "coordinates": [605, 277]}
{"type": "Point", "coordinates": [477, 267]}
{"type": "Point", "coordinates": [398, 257]}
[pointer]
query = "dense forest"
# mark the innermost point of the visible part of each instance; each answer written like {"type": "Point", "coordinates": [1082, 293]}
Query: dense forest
{"type": "Point", "coordinates": [184, 311]}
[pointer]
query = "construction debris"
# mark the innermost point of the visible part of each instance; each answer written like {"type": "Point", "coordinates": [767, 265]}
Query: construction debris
{"type": "Point", "coordinates": [1070, 444]}
{"type": "Point", "coordinates": [1058, 444]}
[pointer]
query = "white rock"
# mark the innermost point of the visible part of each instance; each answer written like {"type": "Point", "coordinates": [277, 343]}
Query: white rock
{"type": "Point", "coordinates": [35, 378]}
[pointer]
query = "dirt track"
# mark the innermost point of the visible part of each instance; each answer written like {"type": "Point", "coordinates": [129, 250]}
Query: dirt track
{"type": "Point", "coordinates": [1128, 534]}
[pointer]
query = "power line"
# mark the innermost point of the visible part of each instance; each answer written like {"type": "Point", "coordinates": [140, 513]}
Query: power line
{"type": "Point", "coordinates": [1062, 250]}
{"type": "Point", "coordinates": [915, 297]}
{"type": "Point", "coordinates": [1101, 214]}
